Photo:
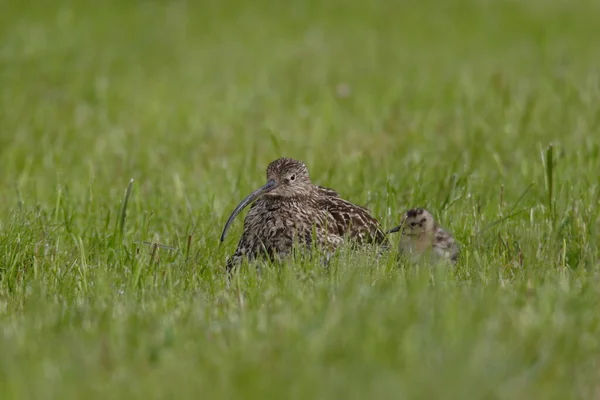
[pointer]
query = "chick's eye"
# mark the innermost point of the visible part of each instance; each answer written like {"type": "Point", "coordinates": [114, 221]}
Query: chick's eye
{"type": "Point", "coordinates": [293, 178]}
{"type": "Point", "coordinates": [413, 224]}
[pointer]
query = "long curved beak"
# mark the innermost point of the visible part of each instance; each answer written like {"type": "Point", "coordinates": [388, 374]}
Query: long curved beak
{"type": "Point", "coordinates": [270, 185]}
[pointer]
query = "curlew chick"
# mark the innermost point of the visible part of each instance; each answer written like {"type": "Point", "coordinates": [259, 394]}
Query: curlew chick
{"type": "Point", "coordinates": [290, 210]}
{"type": "Point", "coordinates": [422, 235]}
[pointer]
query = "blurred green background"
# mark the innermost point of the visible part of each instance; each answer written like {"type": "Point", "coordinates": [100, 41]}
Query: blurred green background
{"type": "Point", "coordinates": [449, 105]}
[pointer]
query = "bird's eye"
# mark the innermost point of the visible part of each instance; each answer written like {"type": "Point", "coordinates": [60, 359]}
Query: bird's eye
{"type": "Point", "coordinates": [293, 178]}
{"type": "Point", "coordinates": [413, 224]}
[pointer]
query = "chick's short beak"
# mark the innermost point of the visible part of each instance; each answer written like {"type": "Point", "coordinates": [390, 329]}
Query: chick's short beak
{"type": "Point", "coordinates": [396, 229]}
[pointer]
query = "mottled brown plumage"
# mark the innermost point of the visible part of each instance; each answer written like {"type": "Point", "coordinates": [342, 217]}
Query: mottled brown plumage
{"type": "Point", "coordinates": [421, 235]}
{"type": "Point", "coordinates": [290, 210]}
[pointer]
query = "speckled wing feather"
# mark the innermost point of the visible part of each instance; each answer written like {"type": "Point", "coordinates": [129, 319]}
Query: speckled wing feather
{"type": "Point", "coordinates": [351, 220]}
{"type": "Point", "coordinates": [445, 245]}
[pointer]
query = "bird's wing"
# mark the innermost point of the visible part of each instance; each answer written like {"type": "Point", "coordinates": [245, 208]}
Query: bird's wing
{"type": "Point", "coordinates": [445, 245]}
{"type": "Point", "coordinates": [351, 220]}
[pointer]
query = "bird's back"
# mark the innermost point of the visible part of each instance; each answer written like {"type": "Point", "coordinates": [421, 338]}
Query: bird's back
{"type": "Point", "coordinates": [327, 192]}
{"type": "Point", "coordinates": [350, 220]}
{"type": "Point", "coordinates": [445, 245]}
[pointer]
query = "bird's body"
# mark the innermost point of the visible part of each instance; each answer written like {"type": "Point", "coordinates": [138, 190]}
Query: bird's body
{"type": "Point", "coordinates": [422, 236]}
{"type": "Point", "coordinates": [294, 213]}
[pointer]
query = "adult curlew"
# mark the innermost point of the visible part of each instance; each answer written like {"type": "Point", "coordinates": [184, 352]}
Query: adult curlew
{"type": "Point", "coordinates": [290, 210]}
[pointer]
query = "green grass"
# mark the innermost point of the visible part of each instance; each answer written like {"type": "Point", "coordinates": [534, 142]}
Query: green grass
{"type": "Point", "coordinates": [451, 105]}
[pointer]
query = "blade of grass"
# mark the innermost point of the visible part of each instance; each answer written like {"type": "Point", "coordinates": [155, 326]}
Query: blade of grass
{"type": "Point", "coordinates": [548, 161]}
{"type": "Point", "coordinates": [123, 213]}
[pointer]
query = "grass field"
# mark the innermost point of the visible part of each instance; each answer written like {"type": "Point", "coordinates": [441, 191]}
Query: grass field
{"type": "Point", "coordinates": [451, 105]}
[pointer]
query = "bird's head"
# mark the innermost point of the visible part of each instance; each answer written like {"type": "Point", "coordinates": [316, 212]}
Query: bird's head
{"type": "Point", "coordinates": [415, 222]}
{"type": "Point", "coordinates": [286, 178]}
